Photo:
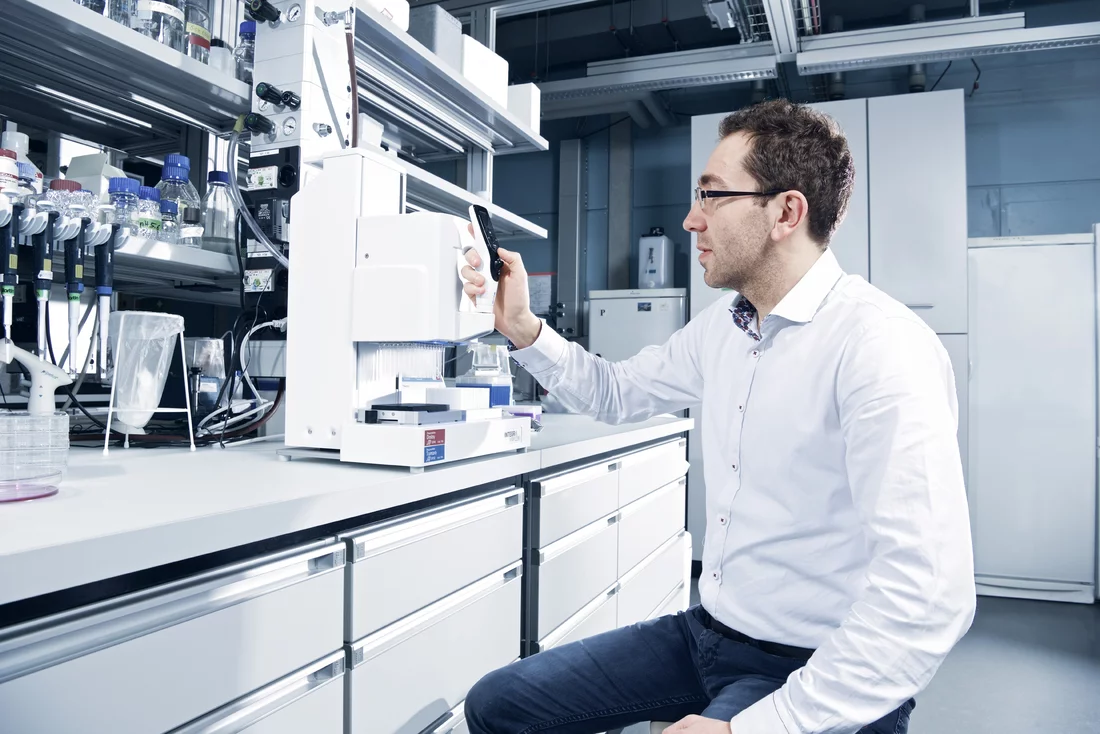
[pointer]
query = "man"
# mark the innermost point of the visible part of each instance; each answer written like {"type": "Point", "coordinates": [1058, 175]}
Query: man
{"type": "Point", "coordinates": [837, 564]}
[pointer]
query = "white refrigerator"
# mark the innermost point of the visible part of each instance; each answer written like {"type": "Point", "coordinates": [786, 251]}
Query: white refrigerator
{"type": "Point", "coordinates": [621, 323]}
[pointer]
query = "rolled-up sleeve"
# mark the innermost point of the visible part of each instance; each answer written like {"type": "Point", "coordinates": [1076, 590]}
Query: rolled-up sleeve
{"type": "Point", "coordinates": [899, 415]}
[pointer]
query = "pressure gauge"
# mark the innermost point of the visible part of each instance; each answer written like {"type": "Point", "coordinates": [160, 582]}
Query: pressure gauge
{"type": "Point", "coordinates": [289, 126]}
{"type": "Point", "coordinates": [294, 13]}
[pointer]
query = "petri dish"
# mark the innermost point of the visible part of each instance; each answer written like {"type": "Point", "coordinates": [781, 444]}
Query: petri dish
{"type": "Point", "coordinates": [29, 488]}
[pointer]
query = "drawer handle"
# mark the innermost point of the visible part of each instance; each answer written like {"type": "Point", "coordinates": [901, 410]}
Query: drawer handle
{"type": "Point", "coordinates": [919, 306]}
{"type": "Point", "coordinates": [558, 547]}
{"type": "Point", "coordinates": [448, 722]}
{"type": "Point", "coordinates": [255, 706]}
{"type": "Point", "coordinates": [51, 641]}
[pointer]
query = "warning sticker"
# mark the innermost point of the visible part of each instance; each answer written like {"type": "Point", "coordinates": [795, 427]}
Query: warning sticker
{"type": "Point", "coordinates": [435, 438]}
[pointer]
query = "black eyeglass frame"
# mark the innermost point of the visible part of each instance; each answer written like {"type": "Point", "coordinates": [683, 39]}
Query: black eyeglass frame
{"type": "Point", "coordinates": [701, 194]}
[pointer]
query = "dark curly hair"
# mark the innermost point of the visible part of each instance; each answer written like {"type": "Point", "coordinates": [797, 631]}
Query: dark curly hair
{"type": "Point", "coordinates": [794, 147]}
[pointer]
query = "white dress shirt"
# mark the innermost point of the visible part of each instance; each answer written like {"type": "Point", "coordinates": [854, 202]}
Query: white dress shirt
{"type": "Point", "coordinates": [836, 513]}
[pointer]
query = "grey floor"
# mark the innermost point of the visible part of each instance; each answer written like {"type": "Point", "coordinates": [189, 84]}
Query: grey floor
{"type": "Point", "coordinates": [1025, 667]}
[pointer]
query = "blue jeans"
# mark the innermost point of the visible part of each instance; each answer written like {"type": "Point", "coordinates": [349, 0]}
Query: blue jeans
{"type": "Point", "coordinates": [661, 670]}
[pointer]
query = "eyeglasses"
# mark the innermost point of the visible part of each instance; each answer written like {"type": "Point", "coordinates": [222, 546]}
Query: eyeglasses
{"type": "Point", "coordinates": [701, 194]}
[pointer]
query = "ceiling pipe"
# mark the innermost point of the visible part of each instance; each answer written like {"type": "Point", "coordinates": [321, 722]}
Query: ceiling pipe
{"type": "Point", "coordinates": [917, 78]}
{"type": "Point", "coordinates": [759, 91]}
{"type": "Point", "coordinates": [837, 88]}
{"type": "Point", "coordinates": [637, 113]}
{"type": "Point", "coordinates": [656, 107]}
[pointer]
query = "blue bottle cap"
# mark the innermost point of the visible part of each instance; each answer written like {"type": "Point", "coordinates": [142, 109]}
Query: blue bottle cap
{"type": "Point", "coordinates": [174, 173]}
{"type": "Point", "coordinates": [177, 159]}
{"type": "Point", "coordinates": [218, 177]}
{"type": "Point", "coordinates": [169, 207]}
{"type": "Point", "coordinates": [249, 27]}
{"type": "Point", "coordinates": [148, 193]}
{"type": "Point", "coordinates": [123, 185]}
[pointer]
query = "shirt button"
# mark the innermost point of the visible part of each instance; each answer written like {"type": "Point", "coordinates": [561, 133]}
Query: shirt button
{"type": "Point", "coordinates": [741, 407]}
{"type": "Point", "coordinates": [717, 576]}
{"type": "Point", "coordinates": [721, 520]}
{"type": "Point", "coordinates": [733, 466]}
{"type": "Point", "coordinates": [756, 352]}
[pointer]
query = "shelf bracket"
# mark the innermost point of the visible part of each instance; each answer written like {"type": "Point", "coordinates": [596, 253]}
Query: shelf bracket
{"type": "Point", "coordinates": [483, 26]}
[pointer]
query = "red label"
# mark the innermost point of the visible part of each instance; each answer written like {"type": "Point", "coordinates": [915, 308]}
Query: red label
{"type": "Point", "coordinates": [435, 438]}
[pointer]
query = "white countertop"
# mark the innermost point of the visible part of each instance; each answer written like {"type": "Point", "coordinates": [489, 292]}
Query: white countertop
{"type": "Point", "coordinates": [141, 508]}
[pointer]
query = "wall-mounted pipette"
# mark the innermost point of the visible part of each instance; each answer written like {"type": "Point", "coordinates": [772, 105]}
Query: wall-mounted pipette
{"type": "Point", "coordinates": [104, 287]}
{"type": "Point", "coordinates": [11, 212]}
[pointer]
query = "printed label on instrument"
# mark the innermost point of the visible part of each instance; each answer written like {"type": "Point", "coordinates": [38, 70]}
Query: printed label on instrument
{"type": "Point", "coordinates": [194, 29]}
{"type": "Point", "coordinates": [437, 437]}
{"type": "Point", "coordinates": [433, 453]}
{"type": "Point", "coordinates": [258, 281]}
{"type": "Point", "coordinates": [13, 261]}
{"type": "Point", "coordinates": [80, 272]}
{"type": "Point", "coordinates": [45, 274]}
{"type": "Point", "coordinates": [645, 306]}
{"type": "Point", "coordinates": [263, 178]}
{"type": "Point", "coordinates": [512, 436]}
{"type": "Point", "coordinates": [146, 8]}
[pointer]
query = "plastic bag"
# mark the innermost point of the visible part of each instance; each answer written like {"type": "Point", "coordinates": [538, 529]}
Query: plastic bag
{"type": "Point", "coordinates": [139, 363]}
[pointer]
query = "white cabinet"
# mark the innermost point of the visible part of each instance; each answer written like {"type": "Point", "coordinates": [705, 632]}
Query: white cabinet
{"type": "Point", "coordinates": [917, 160]}
{"type": "Point", "coordinates": [851, 242]}
{"type": "Point", "coordinates": [1033, 420]}
{"type": "Point", "coordinates": [958, 351]}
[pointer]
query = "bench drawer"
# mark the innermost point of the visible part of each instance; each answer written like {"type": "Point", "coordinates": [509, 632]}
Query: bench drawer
{"type": "Point", "coordinates": [598, 616]}
{"type": "Point", "coordinates": [568, 502]}
{"type": "Point", "coordinates": [406, 676]}
{"type": "Point", "coordinates": [574, 571]}
{"type": "Point", "coordinates": [649, 583]}
{"type": "Point", "coordinates": [650, 469]}
{"type": "Point", "coordinates": [647, 523]}
{"type": "Point", "coordinates": [403, 565]}
{"type": "Point", "coordinates": [210, 639]}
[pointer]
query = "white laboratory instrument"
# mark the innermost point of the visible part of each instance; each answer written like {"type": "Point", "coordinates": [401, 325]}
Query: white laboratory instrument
{"type": "Point", "coordinates": [45, 377]}
{"type": "Point", "coordinates": [622, 323]}
{"type": "Point", "coordinates": [656, 255]}
{"type": "Point", "coordinates": [374, 297]}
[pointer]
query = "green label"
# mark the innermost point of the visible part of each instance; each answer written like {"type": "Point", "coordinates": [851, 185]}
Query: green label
{"type": "Point", "coordinates": [147, 223]}
{"type": "Point", "coordinates": [8, 290]}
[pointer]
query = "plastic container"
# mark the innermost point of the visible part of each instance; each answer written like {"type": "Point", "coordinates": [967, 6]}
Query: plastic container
{"type": "Point", "coordinates": [161, 20]}
{"type": "Point", "coordinates": [219, 216]}
{"type": "Point", "coordinates": [221, 57]}
{"type": "Point", "coordinates": [174, 182]}
{"type": "Point", "coordinates": [96, 6]}
{"type": "Point", "coordinates": [34, 453]}
{"type": "Point", "coordinates": [122, 11]}
{"type": "Point", "coordinates": [169, 224]}
{"type": "Point", "coordinates": [142, 344]}
{"type": "Point", "coordinates": [20, 144]}
{"type": "Point", "coordinates": [148, 223]}
{"type": "Point", "coordinates": [245, 53]}
{"type": "Point", "coordinates": [491, 369]}
{"type": "Point", "coordinates": [60, 194]}
{"type": "Point", "coordinates": [197, 26]}
{"type": "Point", "coordinates": [191, 227]}
{"type": "Point", "coordinates": [9, 170]}
{"type": "Point", "coordinates": [124, 199]}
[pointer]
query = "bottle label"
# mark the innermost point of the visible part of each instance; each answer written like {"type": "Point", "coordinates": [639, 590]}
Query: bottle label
{"type": "Point", "coordinates": [199, 35]}
{"type": "Point", "coordinates": [148, 223]}
{"type": "Point", "coordinates": [146, 8]}
{"type": "Point", "coordinates": [190, 232]}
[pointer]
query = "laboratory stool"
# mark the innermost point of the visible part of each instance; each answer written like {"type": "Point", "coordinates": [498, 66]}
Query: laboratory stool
{"type": "Point", "coordinates": [658, 727]}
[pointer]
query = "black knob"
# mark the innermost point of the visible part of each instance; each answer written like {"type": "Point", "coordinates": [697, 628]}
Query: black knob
{"type": "Point", "coordinates": [292, 100]}
{"type": "Point", "coordinates": [269, 93]}
{"type": "Point", "coordinates": [259, 124]}
{"type": "Point", "coordinates": [263, 10]}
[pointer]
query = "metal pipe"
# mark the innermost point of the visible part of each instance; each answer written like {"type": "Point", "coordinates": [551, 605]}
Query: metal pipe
{"type": "Point", "coordinates": [974, 9]}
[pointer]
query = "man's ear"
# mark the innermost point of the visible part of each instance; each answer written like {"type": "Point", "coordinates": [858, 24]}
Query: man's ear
{"type": "Point", "coordinates": [794, 211]}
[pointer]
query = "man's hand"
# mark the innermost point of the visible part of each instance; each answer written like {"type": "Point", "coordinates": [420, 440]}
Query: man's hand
{"type": "Point", "coordinates": [514, 317]}
{"type": "Point", "coordinates": [699, 725]}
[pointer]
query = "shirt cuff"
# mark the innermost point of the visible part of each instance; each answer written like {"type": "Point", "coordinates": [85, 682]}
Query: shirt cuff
{"type": "Point", "coordinates": [761, 718]}
{"type": "Point", "coordinates": [542, 356]}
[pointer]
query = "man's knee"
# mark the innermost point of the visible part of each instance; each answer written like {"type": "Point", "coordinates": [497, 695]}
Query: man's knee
{"type": "Point", "coordinates": [489, 704]}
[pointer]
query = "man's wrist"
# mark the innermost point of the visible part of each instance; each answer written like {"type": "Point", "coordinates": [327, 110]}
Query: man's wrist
{"type": "Point", "coordinates": [526, 332]}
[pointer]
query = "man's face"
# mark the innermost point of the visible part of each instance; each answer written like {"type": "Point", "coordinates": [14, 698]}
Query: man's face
{"type": "Point", "coordinates": [733, 234]}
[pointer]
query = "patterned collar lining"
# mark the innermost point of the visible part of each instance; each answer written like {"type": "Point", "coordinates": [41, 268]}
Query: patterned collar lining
{"type": "Point", "coordinates": [744, 313]}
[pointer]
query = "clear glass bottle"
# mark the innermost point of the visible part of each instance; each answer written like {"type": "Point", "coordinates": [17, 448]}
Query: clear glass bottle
{"type": "Point", "coordinates": [197, 19]}
{"type": "Point", "coordinates": [148, 212]}
{"type": "Point", "coordinates": [245, 53]}
{"type": "Point", "coordinates": [169, 225]}
{"type": "Point", "coordinates": [174, 182]}
{"type": "Point", "coordinates": [122, 11]}
{"type": "Point", "coordinates": [124, 198]}
{"type": "Point", "coordinates": [219, 215]}
{"type": "Point", "coordinates": [161, 20]}
{"type": "Point", "coordinates": [191, 227]}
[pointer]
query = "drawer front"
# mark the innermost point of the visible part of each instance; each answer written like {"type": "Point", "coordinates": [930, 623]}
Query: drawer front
{"type": "Point", "coordinates": [647, 523]}
{"type": "Point", "coordinates": [569, 502]}
{"type": "Point", "coordinates": [645, 587]}
{"type": "Point", "coordinates": [408, 675]}
{"type": "Point", "coordinates": [211, 640]}
{"type": "Point", "coordinates": [650, 469]}
{"type": "Point", "coordinates": [453, 722]}
{"type": "Point", "coordinates": [308, 700]}
{"type": "Point", "coordinates": [674, 603]}
{"type": "Point", "coordinates": [574, 571]}
{"type": "Point", "coordinates": [404, 565]}
{"type": "Point", "coordinates": [597, 617]}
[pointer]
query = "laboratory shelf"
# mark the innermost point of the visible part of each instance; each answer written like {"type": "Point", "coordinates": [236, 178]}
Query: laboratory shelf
{"type": "Point", "coordinates": [69, 69]}
{"type": "Point", "coordinates": [427, 192]}
{"type": "Point", "coordinates": [424, 102]}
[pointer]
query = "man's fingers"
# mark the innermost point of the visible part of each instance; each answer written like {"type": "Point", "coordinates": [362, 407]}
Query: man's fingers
{"type": "Point", "coordinates": [473, 290]}
{"type": "Point", "coordinates": [473, 258]}
{"type": "Point", "coordinates": [472, 276]}
{"type": "Point", "coordinates": [509, 257]}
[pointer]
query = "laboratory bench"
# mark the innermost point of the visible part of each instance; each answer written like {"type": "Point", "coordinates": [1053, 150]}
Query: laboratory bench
{"type": "Point", "coordinates": [164, 590]}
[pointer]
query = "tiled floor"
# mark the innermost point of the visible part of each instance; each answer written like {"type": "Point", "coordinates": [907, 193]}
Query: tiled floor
{"type": "Point", "coordinates": [1025, 667]}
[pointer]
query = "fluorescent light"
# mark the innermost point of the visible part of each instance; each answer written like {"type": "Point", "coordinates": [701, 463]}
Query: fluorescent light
{"type": "Point", "coordinates": [173, 113]}
{"type": "Point", "coordinates": [94, 107]}
{"type": "Point", "coordinates": [82, 116]}
{"type": "Point", "coordinates": [870, 50]}
{"type": "Point", "coordinates": [740, 63]}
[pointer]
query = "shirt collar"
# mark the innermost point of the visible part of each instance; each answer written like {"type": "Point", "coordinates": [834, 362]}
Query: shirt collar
{"type": "Point", "coordinates": [803, 301]}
